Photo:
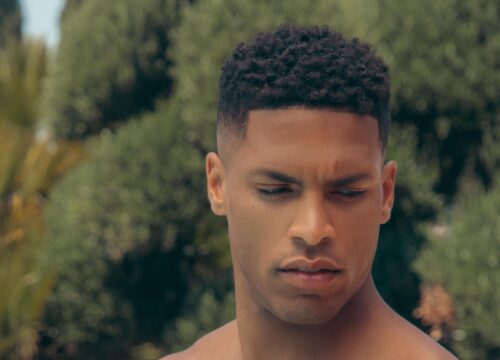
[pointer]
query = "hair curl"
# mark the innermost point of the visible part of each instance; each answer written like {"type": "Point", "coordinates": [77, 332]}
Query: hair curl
{"type": "Point", "coordinates": [307, 66]}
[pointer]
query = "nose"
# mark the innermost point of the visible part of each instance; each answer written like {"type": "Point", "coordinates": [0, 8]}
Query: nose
{"type": "Point", "coordinates": [312, 223]}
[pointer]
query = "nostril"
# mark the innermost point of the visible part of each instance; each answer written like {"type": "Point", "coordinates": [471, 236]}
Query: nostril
{"type": "Point", "coordinates": [311, 240]}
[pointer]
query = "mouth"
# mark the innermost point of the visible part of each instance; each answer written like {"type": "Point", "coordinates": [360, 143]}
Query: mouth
{"type": "Point", "coordinates": [312, 275]}
{"type": "Point", "coordinates": [302, 264]}
{"type": "Point", "coordinates": [309, 270]}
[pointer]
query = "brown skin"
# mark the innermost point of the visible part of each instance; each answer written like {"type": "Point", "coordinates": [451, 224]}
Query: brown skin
{"type": "Point", "coordinates": [332, 193]}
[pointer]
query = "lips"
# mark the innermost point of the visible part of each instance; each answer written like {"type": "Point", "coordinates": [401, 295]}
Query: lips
{"type": "Point", "coordinates": [306, 265]}
{"type": "Point", "coordinates": [310, 274]}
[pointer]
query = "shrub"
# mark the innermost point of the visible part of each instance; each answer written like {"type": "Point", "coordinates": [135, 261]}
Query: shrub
{"type": "Point", "coordinates": [210, 312]}
{"type": "Point", "coordinates": [29, 166]}
{"type": "Point", "coordinates": [123, 238]}
{"type": "Point", "coordinates": [112, 63]}
{"type": "Point", "coordinates": [464, 260]}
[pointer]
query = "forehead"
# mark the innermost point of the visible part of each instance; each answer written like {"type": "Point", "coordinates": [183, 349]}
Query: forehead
{"type": "Point", "coordinates": [282, 124]}
{"type": "Point", "coordinates": [299, 137]}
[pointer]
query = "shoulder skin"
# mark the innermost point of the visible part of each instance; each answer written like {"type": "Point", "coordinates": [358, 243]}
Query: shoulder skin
{"type": "Point", "coordinates": [221, 344]}
{"type": "Point", "coordinates": [414, 344]}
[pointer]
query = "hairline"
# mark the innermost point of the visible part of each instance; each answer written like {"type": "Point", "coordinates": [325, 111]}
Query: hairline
{"type": "Point", "coordinates": [239, 132]}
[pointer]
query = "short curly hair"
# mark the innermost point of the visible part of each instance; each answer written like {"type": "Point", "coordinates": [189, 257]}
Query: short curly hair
{"type": "Point", "coordinates": [307, 66]}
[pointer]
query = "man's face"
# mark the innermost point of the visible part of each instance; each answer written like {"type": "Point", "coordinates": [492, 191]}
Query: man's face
{"type": "Point", "coordinates": [304, 194]}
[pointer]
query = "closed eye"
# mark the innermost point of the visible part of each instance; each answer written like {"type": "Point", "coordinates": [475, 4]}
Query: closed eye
{"type": "Point", "coordinates": [279, 192]}
{"type": "Point", "coordinates": [350, 194]}
{"type": "Point", "coordinates": [273, 192]}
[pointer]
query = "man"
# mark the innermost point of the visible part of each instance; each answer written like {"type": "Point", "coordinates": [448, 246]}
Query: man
{"type": "Point", "coordinates": [300, 175]}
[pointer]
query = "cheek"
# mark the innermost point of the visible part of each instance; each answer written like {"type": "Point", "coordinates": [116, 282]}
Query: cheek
{"type": "Point", "coordinates": [251, 232]}
{"type": "Point", "coordinates": [359, 233]}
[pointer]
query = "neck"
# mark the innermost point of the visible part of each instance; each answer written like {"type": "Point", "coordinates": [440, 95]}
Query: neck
{"type": "Point", "coordinates": [264, 336]}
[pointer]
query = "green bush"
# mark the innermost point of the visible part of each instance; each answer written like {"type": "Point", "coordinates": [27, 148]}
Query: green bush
{"type": "Point", "coordinates": [490, 152]}
{"type": "Point", "coordinates": [112, 63]}
{"type": "Point", "coordinates": [70, 6]}
{"type": "Point", "coordinates": [129, 235]}
{"type": "Point", "coordinates": [444, 58]}
{"type": "Point", "coordinates": [465, 260]}
{"type": "Point", "coordinates": [208, 313]}
{"type": "Point", "coordinates": [402, 238]}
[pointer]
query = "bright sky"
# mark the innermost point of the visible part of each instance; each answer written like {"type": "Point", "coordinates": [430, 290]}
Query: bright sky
{"type": "Point", "coordinates": [41, 18]}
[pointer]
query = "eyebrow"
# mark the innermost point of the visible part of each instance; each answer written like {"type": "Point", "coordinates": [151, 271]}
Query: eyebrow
{"type": "Point", "coordinates": [347, 180]}
{"type": "Point", "coordinates": [340, 182]}
{"type": "Point", "coordinates": [275, 175]}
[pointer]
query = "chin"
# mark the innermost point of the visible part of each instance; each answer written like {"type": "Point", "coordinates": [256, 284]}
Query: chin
{"type": "Point", "coordinates": [308, 314]}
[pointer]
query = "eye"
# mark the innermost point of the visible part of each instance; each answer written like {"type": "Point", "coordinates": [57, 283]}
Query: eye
{"type": "Point", "coordinates": [273, 192]}
{"type": "Point", "coordinates": [350, 194]}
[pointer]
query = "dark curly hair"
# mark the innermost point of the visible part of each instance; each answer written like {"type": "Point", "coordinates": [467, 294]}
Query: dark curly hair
{"type": "Point", "coordinates": [307, 66]}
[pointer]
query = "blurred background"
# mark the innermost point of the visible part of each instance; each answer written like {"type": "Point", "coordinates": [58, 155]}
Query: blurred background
{"type": "Point", "coordinates": [107, 246]}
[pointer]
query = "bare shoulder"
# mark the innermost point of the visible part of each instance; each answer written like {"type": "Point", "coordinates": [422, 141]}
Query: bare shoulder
{"type": "Point", "coordinates": [420, 347]}
{"type": "Point", "coordinates": [221, 343]}
{"type": "Point", "coordinates": [183, 355]}
{"type": "Point", "coordinates": [410, 343]}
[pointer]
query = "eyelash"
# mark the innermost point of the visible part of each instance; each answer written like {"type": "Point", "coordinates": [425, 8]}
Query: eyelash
{"type": "Point", "coordinates": [351, 193]}
{"type": "Point", "coordinates": [277, 192]}
{"type": "Point", "coordinates": [274, 192]}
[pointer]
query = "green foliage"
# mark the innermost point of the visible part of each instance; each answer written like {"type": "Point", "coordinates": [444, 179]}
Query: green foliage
{"type": "Point", "coordinates": [210, 313]}
{"type": "Point", "coordinates": [401, 238]}
{"type": "Point", "coordinates": [24, 293]}
{"type": "Point", "coordinates": [10, 22]}
{"type": "Point", "coordinates": [22, 68]}
{"type": "Point", "coordinates": [70, 6]}
{"type": "Point", "coordinates": [465, 260]}
{"type": "Point", "coordinates": [121, 237]}
{"type": "Point", "coordinates": [28, 168]}
{"type": "Point", "coordinates": [444, 58]}
{"type": "Point", "coordinates": [146, 351]}
{"type": "Point", "coordinates": [112, 63]}
{"type": "Point", "coordinates": [490, 152]}
{"type": "Point", "coordinates": [437, 43]}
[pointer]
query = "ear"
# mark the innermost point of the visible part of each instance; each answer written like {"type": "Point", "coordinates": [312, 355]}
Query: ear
{"type": "Point", "coordinates": [388, 182]}
{"type": "Point", "coordinates": [215, 183]}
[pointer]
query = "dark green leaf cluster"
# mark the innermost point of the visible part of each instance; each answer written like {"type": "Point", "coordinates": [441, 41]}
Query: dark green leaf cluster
{"type": "Point", "coordinates": [122, 237]}
{"type": "Point", "coordinates": [444, 58]}
{"type": "Point", "coordinates": [208, 313]}
{"type": "Point", "coordinates": [70, 6]}
{"type": "Point", "coordinates": [401, 238]}
{"type": "Point", "coordinates": [465, 260]}
{"type": "Point", "coordinates": [111, 70]}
